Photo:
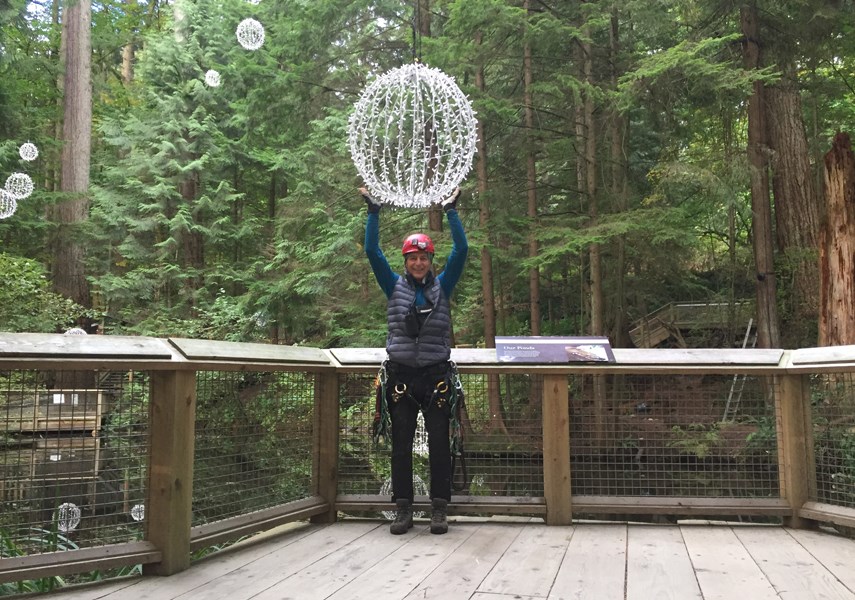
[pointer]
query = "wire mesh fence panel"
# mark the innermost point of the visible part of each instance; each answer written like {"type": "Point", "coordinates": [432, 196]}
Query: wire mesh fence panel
{"type": "Point", "coordinates": [833, 420]}
{"type": "Point", "coordinates": [673, 435]}
{"type": "Point", "coordinates": [253, 447]}
{"type": "Point", "coordinates": [503, 441]}
{"type": "Point", "coordinates": [73, 459]}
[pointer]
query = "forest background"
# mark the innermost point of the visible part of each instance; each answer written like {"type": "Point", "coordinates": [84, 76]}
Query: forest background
{"type": "Point", "coordinates": [631, 154]}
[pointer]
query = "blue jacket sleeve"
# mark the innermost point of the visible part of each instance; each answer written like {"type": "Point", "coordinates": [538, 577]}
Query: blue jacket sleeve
{"type": "Point", "coordinates": [457, 259]}
{"type": "Point", "coordinates": [384, 274]}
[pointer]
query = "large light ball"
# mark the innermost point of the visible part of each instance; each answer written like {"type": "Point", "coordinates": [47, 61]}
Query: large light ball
{"type": "Point", "coordinates": [19, 185]}
{"type": "Point", "coordinates": [250, 34]}
{"type": "Point", "coordinates": [412, 136]}
{"type": "Point", "coordinates": [8, 204]}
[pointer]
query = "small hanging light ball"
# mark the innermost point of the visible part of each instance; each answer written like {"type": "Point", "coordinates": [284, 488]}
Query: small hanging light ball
{"type": "Point", "coordinates": [19, 185]}
{"type": "Point", "coordinates": [412, 136]}
{"type": "Point", "coordinates": [212, 78]}
{"type": "Point", "coordinates": [67, 517]}
{"type": "Point", "coordinates": [28, 152]}
{"type": "Point", "coordinates": [250, 34]}
{"type": "Point", "coordinates": [8, 205]}
{"type": "Point", "coordinates": [138, 512]}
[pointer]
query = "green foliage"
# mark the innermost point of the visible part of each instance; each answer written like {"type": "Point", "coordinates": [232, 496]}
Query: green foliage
{"type": "Point", "coordinates": [26, 302]}
{"type": "Point", "coordinates": [231, 212]}
{"type": "Point", "coordinates": [44, 540]}
{"type": "Point", "coordinates": [696, 440]}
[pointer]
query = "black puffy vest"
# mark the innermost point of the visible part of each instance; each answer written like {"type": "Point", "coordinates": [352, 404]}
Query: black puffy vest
{"type": "Point", "coordinates": [433, 343]}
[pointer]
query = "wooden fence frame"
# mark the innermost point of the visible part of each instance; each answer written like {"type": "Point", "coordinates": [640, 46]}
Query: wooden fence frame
{"type": "Point", "coordinates": [173, 364]}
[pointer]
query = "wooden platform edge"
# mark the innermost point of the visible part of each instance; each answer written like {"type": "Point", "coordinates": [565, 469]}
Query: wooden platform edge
{"type": "Point", "coordinates": [210, 534]}
{"type": "Point", "coordinates": [77, 561]}
{"type": "Point", "coordinates": [831, 513]}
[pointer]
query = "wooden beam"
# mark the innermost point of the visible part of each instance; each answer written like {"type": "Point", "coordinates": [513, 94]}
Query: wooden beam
{"type": "Point", "coordinates": [796, 466]}
{"type": "Point", "coordinates": [325, 443]}
{"type": "Point", "coordinates": [67, 562]}
{"type": "Point", "coordinates": [556, 450]}
{"type": "Point", "coordinates": [172, 410]}
{"type": "Point", "coordinates": [217, 532]}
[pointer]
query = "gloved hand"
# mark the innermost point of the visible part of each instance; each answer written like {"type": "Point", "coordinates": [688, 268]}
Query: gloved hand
{"type": "Point", "coordinates": [450, 203]}
{"type": "Point", "coordinates": [373, 205]}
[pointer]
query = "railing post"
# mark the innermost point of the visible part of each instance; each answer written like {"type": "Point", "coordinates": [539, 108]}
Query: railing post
{"type": "Point", "coordinates": [556, 450]}
{"type": "Point", "coordinates": [796, 466]}
{"type": "Point", "coordinates": [172, 411]}
{"type": "Point", "coordinates": [325, 461]}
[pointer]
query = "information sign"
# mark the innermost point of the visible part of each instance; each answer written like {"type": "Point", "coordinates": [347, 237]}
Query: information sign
{"type": "Point", "coordinates": [553, 349]}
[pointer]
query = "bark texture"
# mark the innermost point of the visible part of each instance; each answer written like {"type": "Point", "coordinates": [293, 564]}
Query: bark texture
{"type": "Point", "coordinates": [837, 247]}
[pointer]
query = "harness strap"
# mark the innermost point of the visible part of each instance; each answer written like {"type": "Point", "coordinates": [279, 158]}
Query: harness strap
{"type": "Point", "coordinates": [381, 433]}
{"type": "Point", "coordinates": [457, 402]}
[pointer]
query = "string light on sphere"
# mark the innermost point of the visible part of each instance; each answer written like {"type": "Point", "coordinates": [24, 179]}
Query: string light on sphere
{"type": "Point", "coordinates": [67, 517]}
{"type": "Point", "coordinates": [250, 34]}
{"type": "Point", "coordinates": [412, 136]}
{"type": "Point", "coordinates": [19, 185]}
{"type": "Point", "coordinates": [8, 205]}
{"type": "Point", "coordinates": [212, 78]}
{"type": "Point", "coordinates": [28, 152]}
{"type": "Point", "coordinates": [138, 512]}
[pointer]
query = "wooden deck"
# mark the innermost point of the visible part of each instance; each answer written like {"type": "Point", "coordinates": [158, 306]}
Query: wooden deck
{"type": "Point", "coordinates": [495, 560]}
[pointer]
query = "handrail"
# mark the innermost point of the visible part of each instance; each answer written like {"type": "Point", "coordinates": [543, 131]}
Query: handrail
{"type": "Point", "coordinates": [174, 364]}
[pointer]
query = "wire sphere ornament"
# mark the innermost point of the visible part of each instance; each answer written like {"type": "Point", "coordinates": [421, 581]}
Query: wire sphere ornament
{"type": "Point", "coordinates": [8, 204]}
{"type": "Point", "coordinates": [138, 512]}
{"type": "Point", "coordinates": [250, 34]}
{"type": "Point", "coordinates": [67, 517]}
{"type": "Point", "coordinates": [412, 136]}
{"type": "Point", "coordinates": [420, 440]}
{"type": "Point", "coordinates": [19, 185]}
{"type": "Point", "coordinates": [28, 152]}
{"type": "Point", "coordinates": [419, 489]}
{"type": "Point", "coordinates": [212, 78]}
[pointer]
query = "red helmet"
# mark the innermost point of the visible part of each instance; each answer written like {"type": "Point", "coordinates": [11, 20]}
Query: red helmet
{"type": "Point", "coordinates": [418, 242]}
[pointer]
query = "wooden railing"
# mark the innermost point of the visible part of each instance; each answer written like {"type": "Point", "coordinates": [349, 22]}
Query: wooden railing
{"type": "Point", "coordinates": [669, 320]}
{"type": "Point", "coordinates": [174, 365]}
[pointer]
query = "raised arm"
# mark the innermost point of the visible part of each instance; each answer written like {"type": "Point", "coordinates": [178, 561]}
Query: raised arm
{"type": "Point", "coordinates": [459, 250]}
{"type": "Point", "coordinates": [384, 274]}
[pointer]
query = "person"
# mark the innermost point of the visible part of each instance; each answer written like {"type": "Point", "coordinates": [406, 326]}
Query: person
{"type": "Point", "coordinates": [419, 376]}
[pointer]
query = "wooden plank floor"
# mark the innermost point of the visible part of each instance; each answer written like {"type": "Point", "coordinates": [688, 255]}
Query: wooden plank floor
{"type": "Point", "coordinates": [495, 560]}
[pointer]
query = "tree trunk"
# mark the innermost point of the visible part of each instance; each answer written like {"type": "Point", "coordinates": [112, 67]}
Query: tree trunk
{"type": "Point", "coordinates": [768, 331]}
{"type": "Point", "coordinates": [192, 242]}
{"type": "Point", "coordinates": [128, 49]}
{"type": "Point", "coordinates": [494, 396]}
{"type": "Point", "coordinates": [422, 23]}
{"type": "Point", "coordinates": [67, 269]}
{"type": "Point", "coordinates": [620, 330]}
{"type": "Point", "coordinates": [837, 247]}
{"type": "Point", "coordinates": [488, 299]}
{"type": "Point", "coordinates": [796, 204]}
{"type": "Point", "coordinates": [531, 186]}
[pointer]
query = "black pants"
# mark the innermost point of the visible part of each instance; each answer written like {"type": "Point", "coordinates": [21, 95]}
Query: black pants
{"type": "Point", "coordinates": [422, 387]}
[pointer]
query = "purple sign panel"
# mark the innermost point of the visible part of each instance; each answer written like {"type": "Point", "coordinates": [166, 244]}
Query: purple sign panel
{"type": "Point", "coordinates": [547, 349]}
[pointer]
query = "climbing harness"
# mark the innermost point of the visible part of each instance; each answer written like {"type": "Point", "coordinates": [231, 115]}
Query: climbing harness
{"type": "Point", "coordinates": [447, 396]}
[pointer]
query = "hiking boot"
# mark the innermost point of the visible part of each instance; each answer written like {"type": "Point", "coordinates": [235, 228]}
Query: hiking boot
{"type": "Point", "coordinates": [439, 517]}
{"type": "Point", "coordinates": [403, 517]}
